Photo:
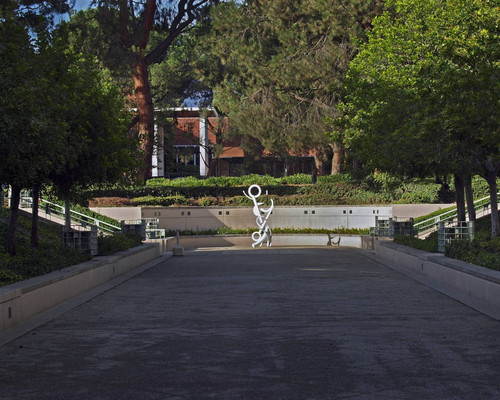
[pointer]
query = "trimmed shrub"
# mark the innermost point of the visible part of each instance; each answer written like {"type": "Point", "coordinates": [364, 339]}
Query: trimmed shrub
{"type": "Point", "coordinates": [429, 244]}
{"type": "Point", "coordinates": [160, 201]}
{"type": "Point", "coordinates": [297, 179]}
{"type": "Point", "coordinates": [473, 252]}
{"type": "Point", "coordinates": [208, 201]}
{"type": "Point", "coordinates": [110, 244]}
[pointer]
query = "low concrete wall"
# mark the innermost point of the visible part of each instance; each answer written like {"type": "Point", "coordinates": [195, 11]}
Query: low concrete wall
{"type": "Point", "coordinates": [481, 284]}
{"type": "Point", "coordinates": [359, 241]}
{"type": "Point", "coordinates": [315, 217]}
{"type": "Point", "coordinates": [25, 299]}
{"type": "Point", "coordinates": [119, 213]}
{"type": "Point", "coordinates": [417, 210]}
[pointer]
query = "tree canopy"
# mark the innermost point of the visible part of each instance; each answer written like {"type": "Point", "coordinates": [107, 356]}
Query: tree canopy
{"type": "Point", "coordinates": [60, 118]}
{"type": "Point", "coordinates": [276, 67]}
{"type": "Point", "coordinates": [423, 93]}
{"type": "Point", "coordinates": [135, 22]}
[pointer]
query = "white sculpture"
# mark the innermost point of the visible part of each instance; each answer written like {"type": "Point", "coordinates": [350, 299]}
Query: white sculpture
{"type": "Point", "coordinates": [264, 233]}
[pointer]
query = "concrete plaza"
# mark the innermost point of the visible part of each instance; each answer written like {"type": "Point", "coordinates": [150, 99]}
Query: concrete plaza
{"type": "Point", "coordinates": [280, 323]}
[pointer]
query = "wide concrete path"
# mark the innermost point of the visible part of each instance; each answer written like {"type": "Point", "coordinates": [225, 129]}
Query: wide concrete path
{"type": "Point", "coordinates": [260, 324]}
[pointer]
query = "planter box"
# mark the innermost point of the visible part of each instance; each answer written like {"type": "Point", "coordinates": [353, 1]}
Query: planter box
{"type": "Point", "coordinates": [25, 299]}
{"type": "Point", "coordinates": [471, 284]}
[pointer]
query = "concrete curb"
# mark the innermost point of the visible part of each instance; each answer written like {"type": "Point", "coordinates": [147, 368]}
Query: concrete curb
{"type": "Point", "coordinates": [26, 299]}
{"type": "Point", "coordinates": [470, 284]}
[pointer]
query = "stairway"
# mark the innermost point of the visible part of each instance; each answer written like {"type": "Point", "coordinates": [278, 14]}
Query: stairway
{"type": "Point", "coordinates": [424, 228]}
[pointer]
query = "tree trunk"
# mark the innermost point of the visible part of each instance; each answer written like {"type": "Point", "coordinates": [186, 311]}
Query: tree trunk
{"type": "Point", "coordinates": [319, 164]}
{"type": "Point", "coordinates": [356, 165]}
{"type": "Point", "coordinates": [212, 167]}
{"type": "Point", "coordinates": [338, 153]}
{"type": "Point", "coordinates": [145, 111]}
{"type": "Point", "coordinates": [10, 243]}
{"type": "Point", "coordinates": [34, 216]}
{"type": "Point", "coordinates": [67, 214]}
{"type": "Point", "coordinates": [491, 178]}
{"type": "Point", "coordinates": [469, 195]}
{"type": "Point", "coordinates": [460, 198]}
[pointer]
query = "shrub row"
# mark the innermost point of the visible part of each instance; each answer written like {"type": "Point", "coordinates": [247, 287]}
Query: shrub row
{"type": "Point", "coordinates": [110, 244]}
{"type": "Point", "coordinates": [326, 193]}
{"type": "Point", "coordinates": [429, 244]}
{"type": "Point", "coordinates": [227, 181]}
{"type": "Point", "coordinates": [482, 251]}
{"type": "Point", "coordinates": [486, 254]}
{"type": "Point", "coordinates": [195, 192]}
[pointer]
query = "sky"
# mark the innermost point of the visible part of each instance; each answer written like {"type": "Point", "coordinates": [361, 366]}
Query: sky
{"type": "Point", "coordinates": [79, 5]}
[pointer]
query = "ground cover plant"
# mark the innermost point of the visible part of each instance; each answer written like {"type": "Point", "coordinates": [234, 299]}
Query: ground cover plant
{"type": "Point", "coordinates": [50, 255]}
{"type": "Point", "coordinates": [482, 250]}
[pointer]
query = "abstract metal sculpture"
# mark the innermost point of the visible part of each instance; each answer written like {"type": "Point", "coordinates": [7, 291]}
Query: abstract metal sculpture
{"type": "Point", "coordinates": [264, 233]}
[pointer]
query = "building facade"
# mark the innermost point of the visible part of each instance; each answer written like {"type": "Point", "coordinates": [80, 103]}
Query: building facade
{"type": "Point", "coordinates": [201, 148]}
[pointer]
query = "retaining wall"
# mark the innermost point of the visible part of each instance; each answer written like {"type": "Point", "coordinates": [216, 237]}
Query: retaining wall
{"type": "Point", "coordinates": [316, 217]}
{"type": "Point", "coordinates": [482, 285]}
{"type": "Point", "coordinates": [25, 299]}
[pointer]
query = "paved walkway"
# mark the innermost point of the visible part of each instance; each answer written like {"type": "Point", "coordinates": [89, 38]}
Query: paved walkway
{"type": "Point", "coordinates": [261, 324]}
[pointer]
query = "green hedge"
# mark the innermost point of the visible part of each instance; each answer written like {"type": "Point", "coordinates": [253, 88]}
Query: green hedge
{"type": "Point", "coordinates": [482, 251]}
{"type": "Point", "coordinates": [292, 190]}
{"type": "Point", "coordinates": [486, 254]}
{"type": "Point", "coordinates": [429, 244]}
{"type": "Point", "coordinates": [160, 201]}
{"type": "Point", "coordinates": [223, 181]}
{"type": "Point", "coordinates": [110, 244]}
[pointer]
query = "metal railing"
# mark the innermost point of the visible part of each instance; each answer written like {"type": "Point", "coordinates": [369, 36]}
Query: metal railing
{"type": "Point", "coordinates": [482, 207]}
{"type": "Point", "coordinates": [51, 208]}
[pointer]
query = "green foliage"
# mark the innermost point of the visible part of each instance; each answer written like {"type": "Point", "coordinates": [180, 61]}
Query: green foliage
{"type": "Point", "coordinates": [429, 244]}
{"type": "Point", "coordinates": [208, 201]}
{"type": "Point", "coordinates": [101, 151]}
{"type": "Point", "coordinates": [297, 179]}
{"type": "Point", "coordinates": [8, 276]}
{"type": "Point", "coordinates": [482, 251]}
{"type": "Point", "coordinates": [29, 262]}
{"type": "Point", "coordinates": [414, 105]}
{"type": "Point", "coordinates": [222, 181]}
{"type": "Point", "coordinates": [330, 190]}
{"type": "Point", "coordinates": [160, 201]}
{"type": "Point", "coordinates": [278, 67]}
{"type": "Point", "coordinates": [475, 252]}
{"type": "Point", "coordinates": [86, 211]}
{"type": "Point", "coordinates": [415, 193]}
{"type": "Point", "coordinates": [480, 187]}
{"type": "Point", "coordinates": [433, 214]}
{"type": "Point", "coordinates": [111, 244]}
{"type": "Point", "coordinates": [50, 255]}
{"type": "Point", "coordinates": [239, 201]}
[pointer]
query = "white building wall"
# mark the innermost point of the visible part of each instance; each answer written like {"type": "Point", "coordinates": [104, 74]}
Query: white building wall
{"type": "Point", "coordinates": [158, 152]}
{"type": "Point", "coordinates": [204, 154]}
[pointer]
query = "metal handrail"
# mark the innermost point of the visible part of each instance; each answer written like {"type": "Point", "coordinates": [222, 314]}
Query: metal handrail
{"type": "Point", "coordinates": [77, 216]}
{"type": "Point", "coordinates": [433, 222]}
